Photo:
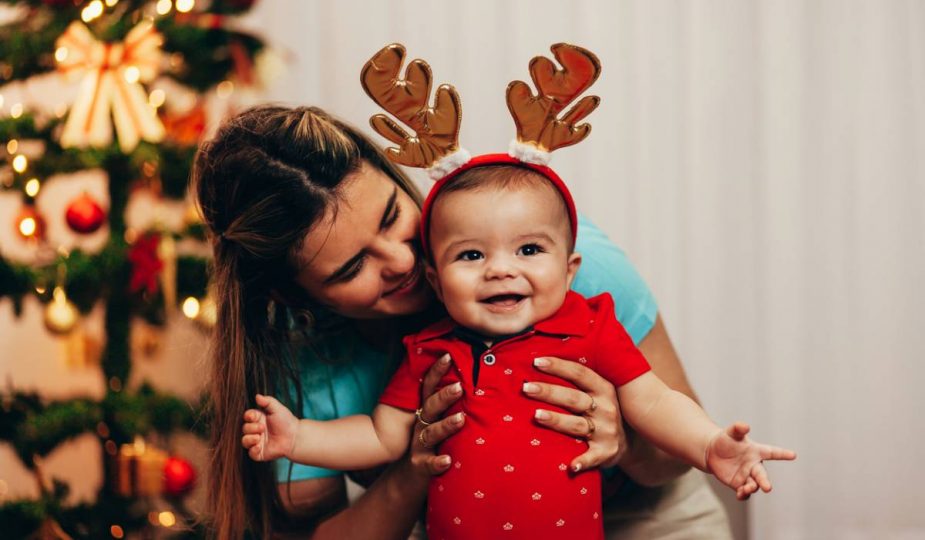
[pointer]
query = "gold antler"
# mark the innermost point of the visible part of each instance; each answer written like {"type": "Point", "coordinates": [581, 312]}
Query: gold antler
{"type": "Point", "coordinates": [535, 116]}
{"type": "Point", "coordinates": [436, 128]}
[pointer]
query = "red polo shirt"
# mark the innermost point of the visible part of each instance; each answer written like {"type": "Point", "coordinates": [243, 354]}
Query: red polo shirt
{"type": "Point", "coordinates": [510, 476]}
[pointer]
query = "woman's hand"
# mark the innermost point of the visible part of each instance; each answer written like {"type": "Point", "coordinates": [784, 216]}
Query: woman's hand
{"type": "Point", "coordinates": [597, 413]}
{"type": "Point", "coordinates": [427, 436]}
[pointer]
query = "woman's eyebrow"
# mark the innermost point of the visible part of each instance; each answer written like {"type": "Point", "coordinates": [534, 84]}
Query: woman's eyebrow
{"type": "Point", "coordinates": [345, 268]}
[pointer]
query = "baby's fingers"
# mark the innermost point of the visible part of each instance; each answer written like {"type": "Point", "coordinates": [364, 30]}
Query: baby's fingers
{"type": "Point", "coordinates": [253, 415]}
{"type": "Point", "coordinates": [774, 452]}
{"type": "Point", "coordinates": [746, 489]}
{"type": "Point", "coordinates": [254, 427]}
{"type": "Point", "coordinates": [250, 441]}
{"type": "Point", "coordinates": [760, 476]}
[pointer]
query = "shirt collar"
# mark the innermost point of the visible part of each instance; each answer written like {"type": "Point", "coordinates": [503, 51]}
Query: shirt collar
{"type": "Point", "coordinates": [572, 319]}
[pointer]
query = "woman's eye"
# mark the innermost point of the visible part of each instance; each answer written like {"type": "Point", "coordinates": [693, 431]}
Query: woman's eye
{"type": "Point", "coordinates": [354, 270]}
{"type": "Point", "coordinates": [394, 217]}
{"type": "Point", "coordinates": [529, 250]}
{"type": "Point", "coordinates": [470, 255]}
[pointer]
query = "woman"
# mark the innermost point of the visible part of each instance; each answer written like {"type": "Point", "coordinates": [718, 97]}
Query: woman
{"type": "Point", "coordinates": [317, 276]}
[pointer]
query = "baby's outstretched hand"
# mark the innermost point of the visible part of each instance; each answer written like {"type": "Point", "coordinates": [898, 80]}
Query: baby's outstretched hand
{"type": "Point", "coordinates": [737, 461]}
{"type": "Point", "coordinates": [269, 432]}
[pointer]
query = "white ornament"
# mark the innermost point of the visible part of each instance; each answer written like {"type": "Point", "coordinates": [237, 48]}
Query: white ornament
{"type": "Point", "coordinates": [112, 76]}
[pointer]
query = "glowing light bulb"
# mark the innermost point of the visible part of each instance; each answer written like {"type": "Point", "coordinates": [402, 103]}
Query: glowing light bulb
{"type": "Point", "coordinates": [16, 110]}
{"type": "Point", "coordinates": [185, 6]}
{"type": "Point", "coordinates": [157, 98]}
{"type": "Point", "coordinates": [167, 519]}
{"type": "Point", "coordinates": [224, 89]}
{"type": "Point", "coordinates": [32, 187]}
{"type": "Point", "coordinates": [12, 146]}
{"type": "Point", "coordinates": [132, 74]}
{"type": "Point", "coordinates": [190, 307]}
{"type": "Point", "coordinates": [61, 54]}
{"type": "Point", "coordinates": [27, 226]}
{"type": "Point", "coordinates": [20, 163]}
{"type": "Point", "coordinates": [163, 7]}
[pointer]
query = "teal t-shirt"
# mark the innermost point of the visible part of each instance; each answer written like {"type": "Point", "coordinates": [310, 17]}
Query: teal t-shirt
{"type": "Point", "coordinates": [338, 389]}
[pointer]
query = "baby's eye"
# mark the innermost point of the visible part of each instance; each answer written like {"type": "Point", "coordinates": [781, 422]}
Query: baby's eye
{"type": "Point", "coordinates": [470, 255]}
{"type": "Point", "coordinates": [529, 250]}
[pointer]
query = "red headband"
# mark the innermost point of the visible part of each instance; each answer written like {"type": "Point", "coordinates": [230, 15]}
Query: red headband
{"type": "Point", "coordinates": [487, 160]}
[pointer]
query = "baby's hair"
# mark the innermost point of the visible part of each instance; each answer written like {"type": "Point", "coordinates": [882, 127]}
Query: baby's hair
{"type": "Point", "coordinates": [503, 177]}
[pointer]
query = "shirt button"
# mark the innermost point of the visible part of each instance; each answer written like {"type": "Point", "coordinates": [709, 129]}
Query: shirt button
{"type": "Point", "coordinates": [489, 359]}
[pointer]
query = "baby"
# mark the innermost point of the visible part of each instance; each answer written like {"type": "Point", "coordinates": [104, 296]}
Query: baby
{"type": "Point", "coordinates": [499, 241]}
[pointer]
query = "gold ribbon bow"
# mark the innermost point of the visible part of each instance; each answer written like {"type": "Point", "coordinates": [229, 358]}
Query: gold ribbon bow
{"type": "Point", "coordinates": [112, 76]}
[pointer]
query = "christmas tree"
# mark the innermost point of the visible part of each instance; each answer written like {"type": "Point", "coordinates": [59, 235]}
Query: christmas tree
{"type": "Point", "coordinates": [127, 59]}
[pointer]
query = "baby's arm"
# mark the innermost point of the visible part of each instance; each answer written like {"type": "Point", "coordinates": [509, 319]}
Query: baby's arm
{"type": "Point", "coordinates": [349, 443]}
{"type": "Point", "coordinates": [679, 426]}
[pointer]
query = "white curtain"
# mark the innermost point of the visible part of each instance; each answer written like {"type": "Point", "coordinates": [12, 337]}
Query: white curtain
{"type": "Point", "coordinates": [762, 164]}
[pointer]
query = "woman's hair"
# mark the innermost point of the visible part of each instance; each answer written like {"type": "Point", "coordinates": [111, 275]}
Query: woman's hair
{"type": "Point", "coordinates": [261, 183]}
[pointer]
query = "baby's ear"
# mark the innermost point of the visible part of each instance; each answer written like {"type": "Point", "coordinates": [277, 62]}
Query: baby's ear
{"type": "Point", "coordinates": [574, 262]}
{"type": "Point", "coordinates": [434, 281]}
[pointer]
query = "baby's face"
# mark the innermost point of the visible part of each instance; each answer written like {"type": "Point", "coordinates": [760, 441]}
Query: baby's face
{"type": "Point", "coordinates": [501, 260]}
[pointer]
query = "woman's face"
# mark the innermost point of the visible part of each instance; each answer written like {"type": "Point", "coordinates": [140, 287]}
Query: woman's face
{"type": "Point", "coordinates": [360, 259]}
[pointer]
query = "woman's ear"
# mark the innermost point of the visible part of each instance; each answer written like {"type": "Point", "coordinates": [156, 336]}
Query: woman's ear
{"type": "Point", "coordinates": [434, 281]}
{"type": "Point", "coordinates": [574, 262]}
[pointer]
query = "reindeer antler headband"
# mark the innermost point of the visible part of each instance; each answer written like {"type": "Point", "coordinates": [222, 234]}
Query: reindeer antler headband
{"type": "Point", "coordinates": [434, 144]}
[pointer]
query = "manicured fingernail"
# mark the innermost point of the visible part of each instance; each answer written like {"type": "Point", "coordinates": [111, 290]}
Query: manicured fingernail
{"type": "Point", "coordinates": [457, 418]}
{"type": "Point", "coordinates": [540, 414]}
{"type": "Point", "coordinates": [576, 467]}
{"type": "Point", "coordinates": [540, 362]}
{"type": "Point", "coordinates": [531, 388]}
{"type": "Point", "coordinates": [445, 359]}
{"type": "Point", "coordinates": [444, 460]}
{"type": "Point", "coordinates": [456, 388]}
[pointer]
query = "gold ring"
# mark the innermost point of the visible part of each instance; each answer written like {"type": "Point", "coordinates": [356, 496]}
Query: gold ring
{"type": "Point", "coordinates": [420, 416]}
{"type": "Point", "coordinates": [422, 440]}
{"type": "Point", "coordinates": [592, 407]}
{"type": "Point", "coordinates": [591, 427]}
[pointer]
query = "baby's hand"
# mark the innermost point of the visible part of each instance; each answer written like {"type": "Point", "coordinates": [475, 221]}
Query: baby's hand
{"type": "Point", "coordinates": [269, 433]}
{"type": "Point", "coordinates": [737, 462]}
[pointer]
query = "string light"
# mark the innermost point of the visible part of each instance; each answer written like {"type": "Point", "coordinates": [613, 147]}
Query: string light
{"type": "Point", "coordinates": [185, 6]}
{"type": "Point", "coordinates": [116, 531]}
{"type": "Point", "coordinates": [132, 74]}
{"type": "Point", "coordinates": [167, 519]}
{"type": "Point", "coordinates": [32, 187]}
{"type": "Point", "coordinates": [20, 163]}
{"type": "Point", "coordinates": [110, 3]}
{"type": "Point", "coordinates": [12, 146]}
{"type": "Point", "coordinates": [163, 7]}
{"type": "Point", "coordinates": [40, 289]}
{"type": "Point", "coordinates": [224, 89]}
{"type": "Point", "coordinates": [157, 98]}
{"type": "Point", "coordinates": [27, 226]}
{"type": "Point", "coordinates": [93, 10]}
{"type": "Point", "coordinates": [16, 110]}
{"type": "Point", "coordinates": [190, 307]}
{"type": "Point", "coordinates": [61, 54]}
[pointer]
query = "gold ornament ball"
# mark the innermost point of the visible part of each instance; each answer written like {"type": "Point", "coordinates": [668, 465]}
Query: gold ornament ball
{"type": "Point", "coordinates": [60, 315]}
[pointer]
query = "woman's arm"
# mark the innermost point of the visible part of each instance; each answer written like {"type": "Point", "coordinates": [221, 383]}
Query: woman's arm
{"type": "Point", "coordinates": [390, 507]}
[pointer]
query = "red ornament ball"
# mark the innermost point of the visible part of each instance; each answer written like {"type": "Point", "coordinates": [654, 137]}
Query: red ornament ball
{"type": "Point", "coordinates": [179, 476]}
{"type": "Point", "coordinates": [84, 215]}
